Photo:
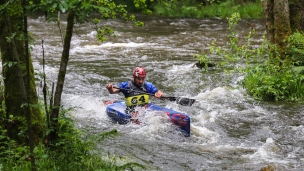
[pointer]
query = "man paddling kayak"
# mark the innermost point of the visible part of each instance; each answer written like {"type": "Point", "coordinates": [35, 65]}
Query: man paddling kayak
{"type": "Point", "coordinates": [137, 91]}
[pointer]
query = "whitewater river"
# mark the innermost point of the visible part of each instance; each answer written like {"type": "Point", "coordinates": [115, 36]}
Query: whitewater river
{"type": "Point", "coordinates": [229, 130]}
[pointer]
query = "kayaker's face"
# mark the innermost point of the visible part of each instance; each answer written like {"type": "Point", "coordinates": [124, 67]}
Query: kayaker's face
{"type": "Point", "coordinates": [139, 81]}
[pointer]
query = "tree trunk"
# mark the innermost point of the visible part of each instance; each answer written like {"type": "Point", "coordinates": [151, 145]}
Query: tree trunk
{"type": "Point", "coordinates": [269, 18]}
{"type": "Point", "coordinates": [277, 15]}
{"type": "Point", "coordinates": [297, 15]}
{"type": "Point", "coordinates": [13, 69]}
{"type": "Point", "coordinates": [282, 28]}
{"type": "Point", "coordinates": [301, 2]}
{"type": "Point", "coordinates": [61, 75]}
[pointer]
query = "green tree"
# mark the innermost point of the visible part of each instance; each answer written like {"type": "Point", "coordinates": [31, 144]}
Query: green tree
{"type": "Point", "coordinates": [283, 18]}
{"type": "Point", "coordinates": [14, 50]}
{"type": "Point", "coordinates": [18, 75]}
{"type": "Point", "coordinates": [20, 95]}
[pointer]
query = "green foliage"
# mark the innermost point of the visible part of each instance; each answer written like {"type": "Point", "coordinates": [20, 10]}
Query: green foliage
{"type": "Point", "coordinates": [269, 81]}
{"type": "Point", "coordinates": [85, 11]}
{"type": "Point", "coordinates": [75, 150]}
{"type": "Point", "coordinates": [274, 79]}
{"type": "Point", "coordinates": [11, 8]}
{"type": "Point", "coordinates": [203, 59]}
{"type": "Point", "coordinates": [236, 52]}
{"type": "Point", "coordinates": [222, 9]}
{"type": "Point", "coordinates": [101, 32]}
{"type": "Point", "coordinates": [267, 77]}
{"type": "Point", "coordinates": [72, 150]}
{"type": "Point", "coordinates": [295, 48]}
{"type": "Point", "coordinates": [10, 64]}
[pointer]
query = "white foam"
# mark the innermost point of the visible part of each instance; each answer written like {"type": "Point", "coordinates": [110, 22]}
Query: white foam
{"type": "Point", "coordinates": [130, 44]}
{"type": "Point", "coordinates": [182, 69]}
{"type": "Point", "coordinates": [154, 122]}
{"type": "Point", "coordinates": [204, 133]}
{"type": "Point", "coordinates": [268, 152]}
{"type": "Point", "coordinates": [86, 106]}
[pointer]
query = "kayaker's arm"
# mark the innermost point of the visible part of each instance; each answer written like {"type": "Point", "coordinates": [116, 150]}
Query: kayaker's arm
{"type": "Point", "coordinates": [153, 90]}
{"type": "Point", "coordinates": [111, 89]}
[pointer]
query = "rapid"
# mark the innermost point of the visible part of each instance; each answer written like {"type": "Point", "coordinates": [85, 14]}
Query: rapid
{"type": "Point", "coordinates": [229, 130]}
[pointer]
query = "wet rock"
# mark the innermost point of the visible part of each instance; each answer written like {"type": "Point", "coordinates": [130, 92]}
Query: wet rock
{"type": "Point", "coordinates": [202, 65]}
{"type": "Point", "coordinates": [268, 168]}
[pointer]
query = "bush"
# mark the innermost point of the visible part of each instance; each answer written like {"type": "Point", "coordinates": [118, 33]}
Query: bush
{"type": "Point", "coordinates": [295, 48]}
{"type": "Point", "coordinates": [271, 82]}
{"type": "Point", "coordinates": [266, 76]}
{"type": "Point", "coordinates": [73, 151]}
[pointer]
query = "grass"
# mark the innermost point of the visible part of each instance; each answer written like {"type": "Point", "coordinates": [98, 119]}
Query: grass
{"type": "Point", "coordinates": [215, 10]}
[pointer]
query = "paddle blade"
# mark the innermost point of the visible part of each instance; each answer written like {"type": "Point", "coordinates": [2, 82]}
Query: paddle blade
{"type": "Point", "coordinates": [185, 101]}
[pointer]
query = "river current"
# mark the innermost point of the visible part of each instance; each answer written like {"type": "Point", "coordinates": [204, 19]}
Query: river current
{"type": "Point", "coordinates": [229, 130]}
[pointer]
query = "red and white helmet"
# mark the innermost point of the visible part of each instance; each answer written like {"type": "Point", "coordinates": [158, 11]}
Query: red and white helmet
{"type": "Point", "coordinates": [139, 72]}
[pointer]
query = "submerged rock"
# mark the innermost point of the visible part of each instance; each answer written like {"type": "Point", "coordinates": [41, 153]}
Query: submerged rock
{"type": "Point", "coordinates": [268, 168]}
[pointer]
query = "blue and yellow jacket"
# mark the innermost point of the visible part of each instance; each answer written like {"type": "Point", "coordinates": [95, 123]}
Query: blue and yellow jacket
{"type": "Point", "coordinates": [139, 96]}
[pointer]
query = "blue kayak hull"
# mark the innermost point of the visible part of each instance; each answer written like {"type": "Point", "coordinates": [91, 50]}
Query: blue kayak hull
{"type": "Point", "coordinates": [116, 111]}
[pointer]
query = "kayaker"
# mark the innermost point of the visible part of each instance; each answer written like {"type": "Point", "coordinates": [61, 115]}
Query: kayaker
{"type": "Point", "coordinates": [137, 89]}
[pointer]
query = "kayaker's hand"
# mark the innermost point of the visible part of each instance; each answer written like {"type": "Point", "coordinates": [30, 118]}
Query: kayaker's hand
{"type": "Point", "coordinates": [158, 94]}
{"type": "Point", "coordinates": [111, 88]}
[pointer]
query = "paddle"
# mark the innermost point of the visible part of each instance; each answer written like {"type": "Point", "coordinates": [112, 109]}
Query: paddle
{"type": "Point", "coordinates": [179, 100]}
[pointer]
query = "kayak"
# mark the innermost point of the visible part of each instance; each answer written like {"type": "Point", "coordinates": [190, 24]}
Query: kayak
{"type": "Point", "coordinates": [116, 111]}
